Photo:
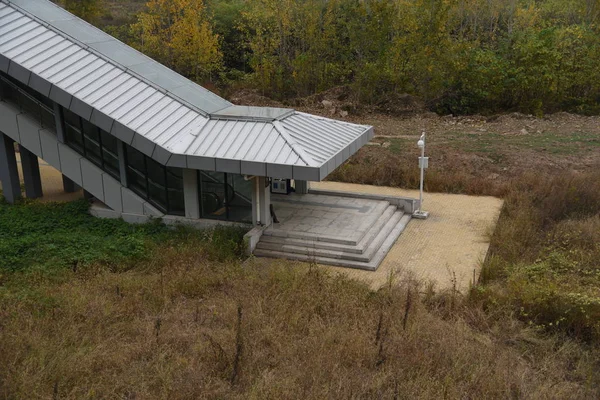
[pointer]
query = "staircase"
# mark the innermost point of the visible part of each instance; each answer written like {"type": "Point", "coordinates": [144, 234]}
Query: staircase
{"type": "Point", "coordinates": [365, 251]}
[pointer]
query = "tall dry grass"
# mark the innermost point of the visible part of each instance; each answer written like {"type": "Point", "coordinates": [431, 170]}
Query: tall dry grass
{"type": "Point", "coordinates": [181, 326]}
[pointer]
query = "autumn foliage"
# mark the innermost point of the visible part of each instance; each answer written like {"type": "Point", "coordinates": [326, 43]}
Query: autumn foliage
{"type": "Point", "coordinates": [179, 33]}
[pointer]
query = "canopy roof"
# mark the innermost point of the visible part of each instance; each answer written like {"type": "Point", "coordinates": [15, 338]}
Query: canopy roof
{"type": "Point", "coordinates": [158, 111]}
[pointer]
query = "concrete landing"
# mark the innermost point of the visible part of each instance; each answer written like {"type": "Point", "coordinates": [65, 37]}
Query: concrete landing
{"type": "Point", "coordinates": [447, 249]}
{"type": "Point", "coordinates": [332, 230]}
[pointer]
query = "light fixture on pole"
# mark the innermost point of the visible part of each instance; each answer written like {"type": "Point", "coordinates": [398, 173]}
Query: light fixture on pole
{"type": "Point", "coordinates": [423, 164]}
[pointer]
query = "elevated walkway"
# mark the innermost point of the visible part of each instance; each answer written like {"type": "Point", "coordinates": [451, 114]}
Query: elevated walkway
{"type": "Point", "coordinates": [45, 144]}
{"type": "Point", "coordinates": [341, 229]}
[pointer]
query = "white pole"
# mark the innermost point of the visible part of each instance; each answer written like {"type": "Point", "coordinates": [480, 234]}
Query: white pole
{"type": "Point", "coordinates": [420, 213]}
{"type": "Point", "coordinates": [422, 171]}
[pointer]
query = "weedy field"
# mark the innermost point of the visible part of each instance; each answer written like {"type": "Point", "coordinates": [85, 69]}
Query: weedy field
{"type": "Point", "coordinates": [96, 309]}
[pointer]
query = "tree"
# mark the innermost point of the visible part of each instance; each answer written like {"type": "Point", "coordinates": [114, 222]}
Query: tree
{"type": "Point", "coordinates": [179, 34]}
{"type": "Point", "coordinates": [89, 10]}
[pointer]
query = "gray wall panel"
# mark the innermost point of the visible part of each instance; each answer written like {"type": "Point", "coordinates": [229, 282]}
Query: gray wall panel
{"type": "Point", "coordinates": [306, 173]}
{"type": "Point", "coordinates": [60, 96]}
{"type": "Point", "coordinates": [254, 168]}
{"type": "Point", "coordinates": [132, 203]}
{"type": "Point", "coordinates": [279, 170]}
{"type": "Point", "coordinates": [149, 209]}
{"type": "Point", "coordinates": [203, 163]}
{"type": "Point", "coordinates": [177, 160]}
{"type": "Point", "coordinates": [80, 108]}
{"type": "Point", "coordinates": [50, 148]}
{"type": "Point", "coordinates": [144, 145]}
{"type": "Point", "coordinates": [101, 120]}
{"type": "Point", "coordinates": [230, 166]}
{"type": "Point", "coordinates": [122, 132]}
{"type": "Point", "coordinates": [161, 155]}
{"type": "Point", "coordinates": [19, 73]}
{"type": "Point", "coordinates": [8, 118]}
{"type": "Point", "coordinates": [92, 179]}
{"type": "Point", "coordinates": [69, 163]}
{"type": "Point", "coordinates": [4, 63]}
{"type": "Point", "coordinates": [29, 132]}
{"type": "Point", "coordinates": [112, 193]}
{"type": "Point", "coordinates": [40, 85]}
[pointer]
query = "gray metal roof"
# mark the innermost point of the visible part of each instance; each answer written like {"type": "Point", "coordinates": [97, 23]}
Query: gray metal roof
{"type": "Point", "coordinates": [156, 110]}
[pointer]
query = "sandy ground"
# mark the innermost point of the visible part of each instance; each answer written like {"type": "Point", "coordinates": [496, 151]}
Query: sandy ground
{"type": "Point", "coordinates": [447, 249]}
{"type": "Point", "coordinates": [51, 183]}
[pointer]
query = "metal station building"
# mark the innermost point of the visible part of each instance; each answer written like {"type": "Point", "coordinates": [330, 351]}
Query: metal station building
{"type": "Point", "coordinates": [140, 138]}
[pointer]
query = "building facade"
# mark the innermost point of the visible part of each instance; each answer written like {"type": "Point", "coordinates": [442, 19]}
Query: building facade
{"type": "Point", "coordinates": [140, 138]}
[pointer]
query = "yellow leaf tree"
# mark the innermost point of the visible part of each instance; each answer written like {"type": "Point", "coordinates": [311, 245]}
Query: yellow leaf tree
{"type": "Point", "coordinates": [179, 34]}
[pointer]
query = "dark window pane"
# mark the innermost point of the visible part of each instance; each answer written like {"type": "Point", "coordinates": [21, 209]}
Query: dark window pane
{"type": "Point", "coordinates": [135, 159]}
{"type": "Point", "coordinates": [91, 138]}
{"type": "Point", "coordinates": [136, 172]}
{"type": "Point", "coordinates": [111, 163]}
{"type": "Point", "coordinates": [109, 142]}
{"type": "Point", "coordinates": [10, 93]}
{"type": "Point", "coordinates": [72, 119]}
{"type": "Point", "coordinates": [212, 195]}
{"type": "Point", "coordinates": [30, 106]}
{"type": "Point", "coordinates": [157, 185]}
{"type": "Point", "coordinates": [48, 119]}
{"type": "Point", "coordinates": [74, 138]}
{"type": "Point", "coordinates": [175, 191]}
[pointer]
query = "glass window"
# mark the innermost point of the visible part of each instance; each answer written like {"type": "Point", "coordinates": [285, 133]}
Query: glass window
{"type": "Point", "coordinates": [175, 191]}
{"type": "Point", "coordinates": [28, 100]}
{"type": "Point", "coordinates": [240, 203]}
{"type": "Point", "coordinates": [157, 183]}
{"type": "Point", "coordinates": [136, 172]}
{"type": "Point", "coordinates": [161, 186]}
{"type": "Point", "coordinates": [213, 196]}
{"type": "Point", "coordinates": [91, 142]}
{"type": "Point", "coordinates": [225, 196]}
{"type": "Point", "coordinates": [110, 153]}
{"type": "Point", "coordinates": [73, 135]}
{"type": "Point", "coordinates": [9, 92]}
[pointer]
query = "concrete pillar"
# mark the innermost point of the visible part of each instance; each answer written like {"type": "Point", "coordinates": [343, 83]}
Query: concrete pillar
{"type": "Point", "coordinates": [60, 125]}
{"type": "Point", "coordinates": [69, 186]}
{"type": "Point", "coordinates": [264, 201]}
{"type": "Point", "coordinates": [191, 195]}
{"type": "Point", "coordinates": [255, 214]}
{"type": "Point", "coordinates": [301, 186]}
{"type": "Point", "coordinates": [31, 173]}
{"type": "Point", "coordinates": [9, 174]}
{"type": "Point", "coordinates": [122, 163]}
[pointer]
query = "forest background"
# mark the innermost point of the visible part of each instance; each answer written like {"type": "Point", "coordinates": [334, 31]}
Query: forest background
{"type": "Point", "coordinates": [453, 56]}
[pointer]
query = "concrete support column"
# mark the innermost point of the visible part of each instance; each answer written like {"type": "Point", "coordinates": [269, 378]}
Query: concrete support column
{"type": "Point", "coordinates": [301, 186]}
{"type": "Point", "coordinates": [9, 174]}
{"type": "Point", "coordinates": [191, 195]}
{"type": "Point", "coordinates": [122, 163]}
{"type": "Point", "coordinates": [31, 173]}
{"type": "Point", "coordinates": [255, 195]}
{"type": "Point", "coordinates": [69, 186]}
{"type": "Point", "coordinates": [264, 201]}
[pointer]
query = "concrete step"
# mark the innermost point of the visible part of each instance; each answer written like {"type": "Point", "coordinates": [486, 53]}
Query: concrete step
{"type": "Point", "coordinates": [371, 265]}
{"type": "Point", "coordinates": [339, 252]}
{"type": "Point", "coordinates": [379, 210]}
{"type": "Point", "coordinates": [360, 248]}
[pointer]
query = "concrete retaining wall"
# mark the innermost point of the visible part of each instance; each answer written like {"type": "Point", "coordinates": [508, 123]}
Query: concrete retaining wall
{"type": "Point", "coordinates": [407, 204]}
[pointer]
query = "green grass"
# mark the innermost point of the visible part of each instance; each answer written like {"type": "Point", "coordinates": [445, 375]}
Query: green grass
{"type": "Point", "coordinates": [495, 143]}
{"type": "Point", "coordinates": [54, 236]}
